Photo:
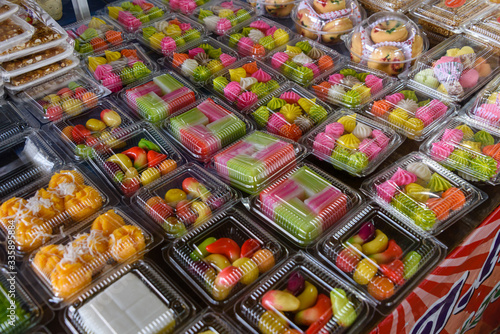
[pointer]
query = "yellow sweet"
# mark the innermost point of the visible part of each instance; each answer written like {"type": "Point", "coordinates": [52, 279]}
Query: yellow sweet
{"type": "Point", "coordinates": [465, 50]}
{"type": "Point", "coordinates": [44, 210]}
{"type": "Point", "coordinates": [472, 145]}
{"type": "Point", "coordinates": [173, 30]}
{"type": "Point", "coordinates": [88, 247]}
{"type": "Point", "coordinates": [31, 232]}
{"type": "Point", "coordinates": [47, 258]}
{"type": "Point", "coordinates": [237, 74]}
{"type": "Point", "coordinates": [398, 117]}
{"type": "Point", "coordinates": [349, 122]}
{"type": "Point", "coordinates": [291, 112]}
{"type": "Point", "coordinates": [349, 141]}
{"type": "Point", "coordinates": [468, 133]}
{"type": "Point", "coordinates": [293, 50]}
{"type": "Point", "coordinates": [68, 278]}
{"type": "Point", "coordinates": [225, 12]}
{"type": "Point", "coordinates": [112, 55]}
{"type": "Point", "coordinates": [8, 209]}
{"type": "Point", "coordinates": [417, 192]}
{"type": "Point", "coordinates": [149, 175]}
{"type": "Point", "coordinates": [365, 271]}
{"type": "Point", "coordinates": [96, 61]}
{"type": "Point", "coordinates": [441, 89]}
{"type": "Point", "coordinates": [84, 203]}
{"type": "Point", "coordinates": [414, 127]}
{"type": "Point", "coordinates": [95, 23]}
{"type": "Point", "coordinates": [126, 242]}
{"type": "Point", "coordinates": [281, 37]}
{"type": "Point", "coordinates": [65, 177]}
{"type": "Point", "coordinates": [364, 92]}
{"type": "Point", "coordinates": [155, 40]}
{"type": "Point", "coordinates": [492, 98]}
{"type": "Point", "coordinates": [107, 223]}
{"type": "Point", "coordinates": [306, 104]}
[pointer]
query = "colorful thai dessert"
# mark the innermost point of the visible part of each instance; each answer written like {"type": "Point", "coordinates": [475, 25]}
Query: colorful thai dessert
{"type": "Point", "coordinates": [220, 17]}
{"type": "Point", "coordinates": [486, 108]}
{"type": "Point", "coordinates": [133, 14]}
{"type": "Point", "coordinates": [186, 7]}
{"type": "Point", "coordinates": [96, 35]}
{"type": "Point", "coordinates": [279, 9]}
{"type": "Point", "coordinates": [20, 313]}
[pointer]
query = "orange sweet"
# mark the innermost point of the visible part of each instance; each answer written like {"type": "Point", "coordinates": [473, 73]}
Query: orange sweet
{"type": "Point", "coordinates": [153, 201]}
{"type": "Point", "coordinates": [179, 58]}
{"type": "Point", "coordinates": [167, 166]}
{"type": "Point", "coordinates": [251, 68]}
{"type": "Point", "coordinates": [107, 223]}
{"type": "Point", "coordinates": [68, 278]}
{"type": "Point", "coordinates": [381, 288]}
{"type": "Point", "coordinates": [175, 21]}
{"type": "Point", "coordinates": [258, 50]}
{"type": "Point", "coordinates": [482, 67]}
{"type": "Point", "coordinates": [291, 131]}
{"type": "Point", "coordinates": [380, 107]}
{"type": "Point", "coordinates": [264, 259]}
{"type": "Point", "coordinates": [322, 89]}
{"type": "Point", "coordinates": [31, 233]}
{"type": "Point", "coordinates": [325, 63]}
{"type": "Point", "coordinates": [88, 247]}
{"type": "Point", "coordinates": [98, 44]}
{"type": "Point", "coordinates": [493, 151]}
{"type": "Point", "coordinates": [84, 203]}
{"type": "Point", "coordinates": [126, 242]}
{"type": "Point", "coordinates": [114, 37]}
{"type": "Point", "coordinates": [47, 258]}
{"type": "Point", "coordinates": [90, 99]}
{"type": "Point", "coordinates": [455, 197]}
{"type": "Point", "coordinates": [48, 212]}
{"type": "Point", "coordinates": [65, 176]}
{"type": "Point", "coordinates": [440, 207]}
{"type": "Point", "coordinates": [129, 53]}
{"type": "Point", "coordinates": [146, 6]}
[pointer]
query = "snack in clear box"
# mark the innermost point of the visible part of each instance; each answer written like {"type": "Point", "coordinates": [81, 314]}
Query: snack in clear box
{"type": "Point", "coordinates": [486, 28]}
{"type": "Point", "coordinates": [19, 63]}
{"type": "Point", "coordinates": [486, 106]}
{"type": "Point", "coordinates": [13, 121]}
{"type": "Point", "coordinates": [131, 15]}
{"type": "Point", "coordinates": [220, 16]}
{"type": "Point", "coordinates": [210, 323]}
{"type": "Point", "coordinates": [401, 6]}
{"type": "Point", "coordinates": [280, 9]}
{"type": "Point", "coordinates": [43, 34]}
{"type": "Point", "coordinates": [7, 9]}
{"type": "Point", "coordinates": [289, 112]}
{"type": "Point", "coordinates": [186, 7]}
{"type": "Point", "coordinates": [352, 143]}
{"type": "Point", "coordinates": [13, 32]}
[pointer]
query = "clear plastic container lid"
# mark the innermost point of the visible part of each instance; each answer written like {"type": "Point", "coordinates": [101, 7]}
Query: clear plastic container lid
{"type": "Point", "coordinates": [256, 160]}
{"type": "Point", "coordinates": [210, 323]}
{"type": "Point", "coordinates": [289, 112]}
{"type": "Point", "coordinates": [299, 284]}
{"type": "Point", "coordinates": [13, 121]}
{"type": "Point", "coordinates": [185, 200]}
{"type": "Point", "coordinates": [121, 66]}
{"type": "Point", "coordinates": [303, 61]}
{"type": "Point", "coordinates": [486, 28]}
{"type": "Point", "coordinates": [352, 143]}
{"type": "Point", "coordinates": [402, 6]}
{"type": "Point", "coordinates": [245, 82]}
{"type": "Point", "coordinates": [14, 30]}
{"type": "Point", "coordinates": [485, 108]}
{"type": "Point", "coordinates": [380, 256]}
{"type": "Point", "coordinates": [219, 16]}
{"type": "Point", "coordinates": [141, 157]}
{"type": "Point", "coordinates": [205, 127]}
{"type": "Point", "coordinates": [304, 203]}
{"type": "Point", "coordinates": [7, 9]}
{"type": "Point", "coordinates": [201, 59]}
{"type": "Point", "coordinates": [224, 256]}
{"type": "Point", "coordinates": [405, 108]}
{"type": "Point", "coordinates": [276, 10]}
{"type": "Point", "coordinates": [186, 7]}
{"type": "Point", "coordinates": [155, 99]}
{"type": "Point", "coordinates": [456, 68]}
{"type": "Point", "coordinates": [353, 86]}
{"type": "Point", "coordinates": [257, 37]}
{"type": "Point", "coordinates": [131, 15]}
{"type": "Point", "coordinates": [136, 298]}
{"type": "Point", "coordinates": [423, 194]}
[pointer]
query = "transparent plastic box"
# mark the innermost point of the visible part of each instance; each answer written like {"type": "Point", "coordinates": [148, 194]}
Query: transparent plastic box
{"type": "Point", "coordinates": [352, 143]}
{"type": "Point", "coordinates": [210, 323]}
{"type": "Point", "coordinates": [485, 108]}
{"type": "Point", "coordinates": [486, 28]}
{"type": "Point", "coordinates": [304, 203]}
{"type": "Point", "coordinates": [132, 15]}
{"type": "Point", "coordinates": [219, 16]}
{"type": "Point", "coordinates": [289, 112]}
{"type": "Point", "coordinates": [118, 302]}
{"type": "Point", "coordinates": [185, 7]}
{"type": "Point", "coordinates": [348, 86]}
{"type": "Point", "coordinates": [205, 127]}
{"type": "Point", "coordinates": [410, 110]}
{"type": "Point", "coordinates": [274, 10]}
{"type": "Point", "coordinates": [380, 256]}
{"type": "Point", "coordinates": [14, 121]}
{"type": "Point", "coordinates": [302, 61]}
{"type": "Point", "coordinates": [14, 31]}
{"type": "Point", "coordinates": [222, 275]}
{"type": "Point", "coordinates": [7, 9]}
{"type": "Point", "coordinates": [422, 193]}
{"type": "Point", "coordinates": [259, 311]}
{"type": "Point", "coordinates": [402, 6]}
{"type": "Point", "coordinates": [185, 200]}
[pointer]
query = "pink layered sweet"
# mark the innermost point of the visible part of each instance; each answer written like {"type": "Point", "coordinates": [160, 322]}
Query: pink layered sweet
{"type": "Point", "coordinates": [232, 91]}
{"type": "Point", "coordinates": [168, 45]}
{"type": "Point", "coordinates": [386, 190]}
{"type": "Point", "coordinates": [336, 78]}
{"type": "Point", "coordinates": [187, 7]}
{"type": "Point", "coordinates": [425, 115]}
{"type": "Point", "coordinates": [271, 31]}
{"type": "Point", "coordinates": [261, 76]}
{"type": "Point", "coordinates": [441, 151]}
{"type": "Point", "coordinates": [261, 25]}
{"type": "Point", "coordinates": [81, 29]}
{"type": "Point", "coordinates": [212, 110]}
{"type": "Point", "coordinates": [174, 4]}
{"type": "Point", "coordinates": [185, 27]}
{"type": "Point", "coordinates": [275, 122]}
{"type": "Point", "coordinates": [290, 97]}
{"type": "Point", "coordinates": [333, 212]}
{"type": "Point", "coordinates": [201, 133]}
{"type": "Point", "coordinates": [335, 129]}
{"type": "Point", "coordinates": [102, 71]}
{"type": "Point", "coordinates": [223, 25]}
{"type": "Point", "coordinates": [112, 82]}
{"type": "Point", "coordinates": [271, 150]}
{"type": "Point", "coordinates": [134, 93]}
{"type": "Point", "coordinates": [323, 145]}
{"type": "Point", "coordinates": [489, 112]}
{"type": "Point", "coordinates": [321, 200]}
{"type": "Point", "coordinates": [278, 59]}
{"type": "Point", "coordinates": [246, 99]}
{"type": "Point", "coordinates": [438, 108]}
{"type": "Point", "coordinates": [129, 20]}
{"type": "Point", "coordinates": [314, 69]}
{"type": "Point", "coordinates": [403, 177]}
{"type": "Point", "coordinates": [178, 99]}
{"type": "Point", "coordinates": [374, 83]}
{"type": "Point", "coordinates": [226, 59]}
{"type": "Point", "coordinates": [370, 148]}
{"type": "Point", "coordinates": [194, 51]}
{"type": "Point", "coordinates": [380, 138]}
{"type": "Point", "coordinates": [394, 98]}
{"type": "Point", "coordinates": [280, 193]}
{"type": "Point", "coordinates": [453, 135]}
{"type": "Point", "coordinates": [245, 45]}
{"type": "Point", "coordinates": [222, 158]}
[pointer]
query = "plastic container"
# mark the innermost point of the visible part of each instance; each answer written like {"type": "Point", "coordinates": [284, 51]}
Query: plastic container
{"type": "Point", "coordinates": [274, 10]}
{"type": "Point", "coordinates": [7, 9]}
{"type": "Point", "coordinates": [289, 112]}
{"type": "Point", "coordinates": [219, 16]}
{"type": "Point", "coordinates": [455, 79]}
{"type": "Point", "coordinates": [131, 15]}
{"type": "Point", "coordinates": [486, 28]}
{"type": "Point", "coordinates": [352, 143]}
{"type": "Point", "coordinates": [410, 110]}
{"type": "Point", "coordinates": [210, 322]}
{"type": "Point", "coordinates": [228, 84]}
{"type": "Point", "coordinates": [351, 311]}
{"type": "Point", "coordinates": [423, 194]}
{"type": "Point", "coordinates": [14, 31]}
{"type": "Point", "coordinates": [201, 59]}
{"type": "Point", "coordinates": [205, 127]}
{"type": "Point", "coordinates": [247, 37]}
{"type": "Point", "coordinates": [186, 7]}
{"type": "Point", "coordinates": [380, 256]}
{"type": "Point", "coordinates": [302, 61]}
{"type": "Point", "coordinates": [221, 277]}
{"type": "Point", "coordinates": [117, 301]}
{"type": "Point", "coordinates": [256, 160]}
{"type": "Point", "coordinates": [485, 108]}
{"type": "Point", "coordinates": [119, 67]}
{"type": "Point", "coordinates": [401, 6]}
{"type": "Point", "coordinates": [13, 121]}
{"type": "Point", "coordinates": [184, 200]}
{"type": "Point", "coordinates": [348, 86]}
{"type": "Point", "coordinates": [304, 203]}
{"type": "Point", "coordinates": [155, 99]}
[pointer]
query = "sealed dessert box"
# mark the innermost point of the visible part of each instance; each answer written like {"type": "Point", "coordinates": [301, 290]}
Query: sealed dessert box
{"type": "Point", "coordinates": [14, 121]}
{"type": "Point", "coordinates": [402, 6]}
{"type": "Point", "coordinates": [486, 28]}
{"type": "Point", "coordinates": [225, 256]}
{"type": "Point", "coordinates": [7, 9]}
{"type": "Point", "coordinates": [380, 256]}
{"type": "Point", "coordinates": [485, 108]}
{"type": "Point", "coordinates": [269, 308]}
{"type": "Point", "coordinates": [268, 8]}
{"type": "Point", "coordinates": [304, 203]}
{"type": "Point", "coordinates": [185, 7]}
{"type": "Point", "coordinates": [14, 31]}
{"type": "Point", "coordinates": [205, 127]}
{"type": "Point", "coordinates": [210, 322]}
{"type": "Point", "coordinates": [422, 193]}
{"type": "Point", "coordinates": [219, 16]}
{"type": "Point", "coordinates": [184, 200]}
{"type": "Point", "coordinates": [132, 15]}
{"type": "Point", "coordinates": [352, 143]}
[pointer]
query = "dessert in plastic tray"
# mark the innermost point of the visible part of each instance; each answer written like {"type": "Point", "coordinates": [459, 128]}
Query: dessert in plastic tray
{"type": "Point", "coordinates": [186, 7]}
{"type": "Point", "coordinates": [157, 98]}
{"type": "Point", "coordinates": [352, 143]}
{"type": "Point", "coordinates": [119, 67]}
{"type": "Point", "coordinates": [170, 33]}
{"type": "Point", "coordinates": [402, 6]}
{"type": "Point", "coordinates": [13, 121]}
{"type": "Point", "coordinates": [275, 9]}
{"type": "Point", "coordinates": [257, 37]}
{"type": "Point", "coordinates": [486, 28]}
{"type": "Point", "coordinates": [305, 203]}
{"type": "Point", "coordinates": [142, 157]}
{"type": "Point", "coordinates": [7, 9]}
{"type": "Point", "coordinates": [205, 127]}
{"type": "Point", "coordinates": [456, 68]}
{"type": "Point", "coordinates": [289, 112]}
{"type": "Point", "coordinates": [255, 160]}
{"type": "Point", "coordinates": [131, 15]}
{"type": "Point", "coordinates": [485, 108]}
{"type": "Point", "coordinates": [302, 61]}
{"type": "Point", "coordinates": [225, 255]}
{"type": "Point", "coordinates": [379, 255]}
{"type": "Point", "coordinates": [245, 82]}
{"type": "Point", "coordinates": [219, 16]}
{"type": "Point", "coordinates": [210, 323]}
{"type": "Point", "coordinates": [301, 296]}
{"type": "Point", "coordinates": [326, 21]}
{"type": "Point", "coordinates": [13, 31]}
{"type": "Point", "coordinates": [411, 111]}
{"type": "Point", "coordinates": [422, 193]}
{"type": "Point", "coordinates": [353, 86]}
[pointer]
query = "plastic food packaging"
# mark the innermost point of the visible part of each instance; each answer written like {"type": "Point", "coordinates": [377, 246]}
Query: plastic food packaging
{"type": "Point", "coordinates": [185, 200]}
{"type": "Point", "coordinates": [313, 298]}
{"type": "Point", "coordinates": [205, 127]}
{"type": "Point", "coordinates": [131, 15]}
{"type": "Point", "coordinates": [411, 110]}
{"type": "Point", "coordinates": [380, 256]}
{"type": "Point", "coordinates": [289, 112]}
{"type": "Point", "coordinates": [303, 61]}
{"type": "Point", "coordinates": [225, 256]}
{"type": "Point", "coordinates": [304, 203]}
{"type": "Point", "coordinates": [485, 108]}
{"type": "Point", "coordinates": [486, 28]}
{"type": "Point", "coordinates": [7, 9]}
{"type": "Point", "coordinates": [136, 297]}
{"type": "Point", "coordinates": [13, 121]}
{"type": "Point", "coordinates": [352, 143]}
{"type": "Point", "coordinates": [219, 16]}
{"type": "Point", "coordinates": [423, 194]}
{"type": "Point", "coordinates": [245, 82]}
{"type": "Point", "coordinates": [353, 86]}
{"type": "Point", "coordinates": [210, 323]}
{"type": "Point", "coordinates": [402, 6]}
{"type": "Point", "coordinates": [14, 31]}
{"type": "Point", "coordinates": [256, 160]}
{"type": "Point", "coordinates": [274, 9]}
{"type": "Point", "coordinates": [456, 68]}
{"type": "Point", "coordinates": [186, 7]}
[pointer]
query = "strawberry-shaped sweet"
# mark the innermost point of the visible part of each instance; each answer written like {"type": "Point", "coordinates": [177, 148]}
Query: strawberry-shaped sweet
{"type": "Point", "coordinates": [154, 158]}
{"type": "Point", "coordinates": [138, 155]}
{"type": "Point", "coordinates": [348, 259]}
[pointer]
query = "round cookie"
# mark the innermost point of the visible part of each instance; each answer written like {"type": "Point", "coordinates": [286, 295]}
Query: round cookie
{"type": "Point", "coordinates": [279, 8]}
{"type": "Point", "coordinates": [387, 54]}
{"type": "Point", "coordinates": [389, 31]}
{"type": "Point", "coordinates": [305, 23]}
{"type": "Point", "coordinates": [339, 25]}
{"type": "Point", "coordinates": [356, 47]}
{"type": "Point", "coordinates": [327, 6]}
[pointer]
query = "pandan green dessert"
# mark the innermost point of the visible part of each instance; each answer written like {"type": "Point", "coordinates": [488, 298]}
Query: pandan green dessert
{"type": "Point", "coordinates": [13, 316]}
{"type": "Point", "coordinates": [219, 19]}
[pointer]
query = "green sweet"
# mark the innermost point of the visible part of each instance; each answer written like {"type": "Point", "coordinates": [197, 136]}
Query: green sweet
{"type": "Point", "coordinates": [191, 35]}
{"type": "Point", "coordinates": [127, 75]}
{"type": "Point", "coordinates": [348, 71]}
{"type": "Point", "coordinates": [73, 85]}
{"type": "Point", "coordinates": [483, 167]}
{"type": "Point", "coordinates": [227, 129]}
{"type": "Point", "coordinates": [424, 218]}
{"type": "Point", "coordinates": [246, 30]}
{"type": "Point", "coordinates": [409, 94]}
{"type": "Point", "coordinates": [303, 75]}
{"type": "Point", "coordinates": [411, 262]}
{"type": "Point", "coordinates": [148, 145]}
{"type": "Point", "coordinates": [147, 32]}
{"type": "Point", "coordinates": [351, 99]}
{"type": "Point", "coordinates": [135, 9]}
{"type": "Point", "coordinates": [219, 84]}
{"type": "Point", "coordinates": [140, 70]}
{"type": "Point", "coordinates": [437, 183]}
{"type": "Point", "coordinates": [173, 227]}
{"type": "Point", "coordinates": [89, 34]}
{"type": "Point", "coordinates": [317, 113]}
{"type": "Point", "coordinates": [276, 103]}
{"type": "Point", "coordinates": [155, 13]}
{"type": "Point", "coordinates": [305, 46]}
{"type": "Point", "coordinates": [243, 15]}
{"type": "Point", "coordinates": [246, 173]}
{"type": "Point", "coordinates": [215, 66]}
{"type": "Point", "coordinates": [484, 138]}
{"type": "Point", "coordinates": [77, 45]}
{"type": "Point", "coordinates": [144, 18]}
{"type": "Point", "coordinates": [260, 88]}
{"type": "Point", "coordinates": [179, 41]}
{"type": "Point", "coordinates": [340, 157]}
{"type": "Point", "coordinates": [84, 151]}
{"type": "Point", "coordinates": [272, 85]}
{"type": "Point", "coordinates": [233, 19]}
{"type": "Point", "coordinates": [289, 68]}
{"type": "Point", "coordinates": [233, 40]}
{"type": "Point", "coordinates": [459, 159]}
{"type": "Point", "coordinates": [206, 47]}
{"type": "Point", "coordinates": [343, 308]}
{"type": "Point", "coordinates": [298, 220]}
{"type": "Point", "coordinates": [203, 14]}
{"type": "Point", "coordinates": [127, 5]}
{"type": "Point", "coordinates": [86, 48]}
{"type": "Point", "coordinates": [200, 251]}
{"type": "Point", "coordinates": [404, 204]}
{"type": "Point", "coordinates": [424, 103]}
{"type": "Point", "coordinates": [357, 162]}
{"type": "Point", "coordinates": [201, 73]}
{"type": "Point", "coordinates": [267, 42]}
{"type": "Point", "coordinates": [362, 76]}
{"type": "Point", "coordinates": [309, 180]}
{"type": "Point", "coordinates": [199, 3]}
{"type": "Point", "coordinates": [152, 107]}
{"type": "Point", "coordinates": [261, 116]}
{"type": "Point", "coordinates": [214, 53]}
